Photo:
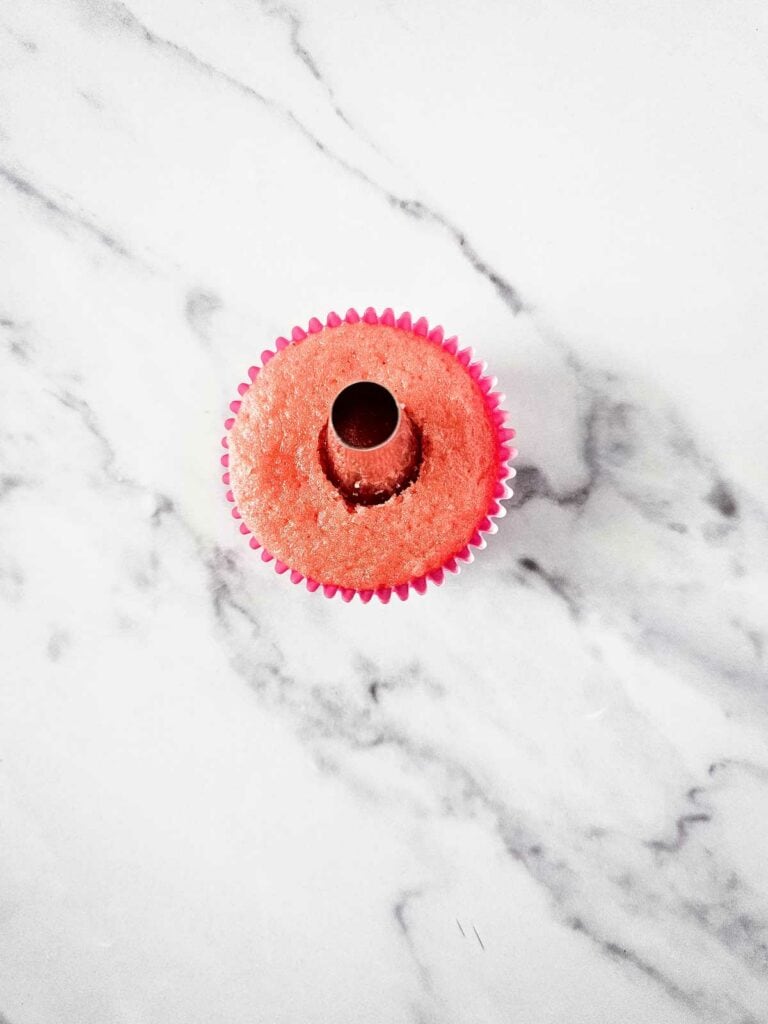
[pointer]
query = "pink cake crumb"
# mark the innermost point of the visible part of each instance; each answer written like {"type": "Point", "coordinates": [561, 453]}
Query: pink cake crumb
{"type": "Point", "coordinates": [285, 498]}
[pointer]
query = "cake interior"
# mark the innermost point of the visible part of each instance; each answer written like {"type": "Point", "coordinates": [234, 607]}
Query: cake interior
{"type": "Point", "coordinates": [285, 496]}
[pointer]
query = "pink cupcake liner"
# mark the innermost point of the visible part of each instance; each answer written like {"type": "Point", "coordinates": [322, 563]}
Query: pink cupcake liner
{"type": "Point", "coordinates": [485, 526]}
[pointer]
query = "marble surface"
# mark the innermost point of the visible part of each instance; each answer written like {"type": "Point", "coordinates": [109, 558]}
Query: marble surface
{"type": "Point", "coordinates": [536, 795]}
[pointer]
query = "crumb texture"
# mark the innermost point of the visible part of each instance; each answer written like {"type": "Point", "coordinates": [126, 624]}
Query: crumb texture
{"type": "Point", "coordinates": [290, 505]}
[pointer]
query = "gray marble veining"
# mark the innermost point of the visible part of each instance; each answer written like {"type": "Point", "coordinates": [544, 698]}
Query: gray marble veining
{"type": "Point", "coordinates": [538, 793]}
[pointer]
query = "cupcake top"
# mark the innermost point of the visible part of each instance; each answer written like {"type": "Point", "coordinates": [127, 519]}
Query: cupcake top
{"type": "Point", "coordinates": [448, 435]}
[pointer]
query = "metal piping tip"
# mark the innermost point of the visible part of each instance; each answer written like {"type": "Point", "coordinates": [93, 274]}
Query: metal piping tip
{"type": "Point", "coordinates": [372, 448]}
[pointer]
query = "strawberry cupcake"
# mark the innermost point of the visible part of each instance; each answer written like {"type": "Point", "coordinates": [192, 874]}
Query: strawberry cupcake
{"type": "Point", "coordinates": [367, 455]}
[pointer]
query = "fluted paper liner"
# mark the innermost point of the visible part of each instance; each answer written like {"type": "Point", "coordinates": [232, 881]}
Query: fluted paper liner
{"type": "Point", "coordinates": [504, 453]}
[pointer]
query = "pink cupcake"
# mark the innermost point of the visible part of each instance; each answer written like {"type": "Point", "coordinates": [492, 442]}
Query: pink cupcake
{"type": "Point", "coordinates": [367, 456]}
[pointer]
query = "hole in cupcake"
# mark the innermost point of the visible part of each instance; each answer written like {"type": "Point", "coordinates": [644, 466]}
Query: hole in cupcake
{"type": "Point", "coordinates": [370, 449]}
{"type": "Point", "coordinates": [364, 415]}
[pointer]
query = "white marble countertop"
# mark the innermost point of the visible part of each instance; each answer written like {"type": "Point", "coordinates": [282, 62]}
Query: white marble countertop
{"type": "Point", "coordinates": [537, 795]}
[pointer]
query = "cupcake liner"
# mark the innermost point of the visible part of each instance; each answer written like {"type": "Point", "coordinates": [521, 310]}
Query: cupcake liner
{"type": "Point", "coordinates": [505, 453]}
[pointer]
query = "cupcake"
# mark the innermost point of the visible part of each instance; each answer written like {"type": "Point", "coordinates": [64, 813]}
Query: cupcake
{"type": "Point", "coordinates": [367, 456]}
